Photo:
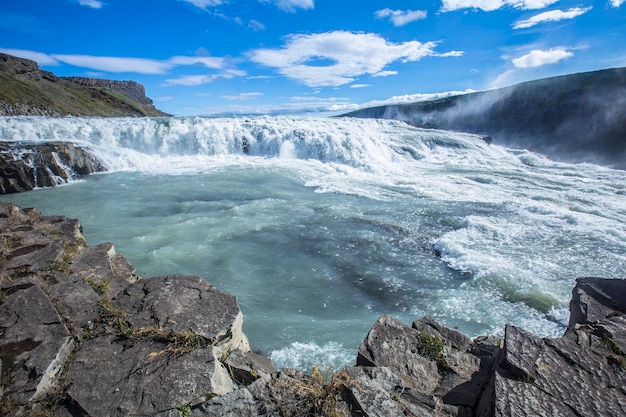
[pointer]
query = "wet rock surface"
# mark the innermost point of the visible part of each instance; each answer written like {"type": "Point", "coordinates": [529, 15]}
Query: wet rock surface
{"type": "Point", "coordinates": [24, 167]}
{"type": "Point", "coordinates": [82, 335]}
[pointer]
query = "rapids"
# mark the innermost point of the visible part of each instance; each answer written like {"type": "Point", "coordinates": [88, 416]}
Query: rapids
{"type": "Point", "coordinates": [320, 225]}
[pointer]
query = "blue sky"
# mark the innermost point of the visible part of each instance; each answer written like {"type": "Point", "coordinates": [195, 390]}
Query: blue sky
{"type": "Point", "coordinates": [200, 57]}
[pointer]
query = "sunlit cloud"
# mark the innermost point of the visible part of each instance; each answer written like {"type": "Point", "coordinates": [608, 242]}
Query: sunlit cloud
{"type": "Point", "coordinates": [242, 96]}
{"type": "Point", "coordinates": [491, 5]}
{"type": "Point", "coordinates": [38, 57]}
{"type": "Point", "coordinates": [94, 4]}
{"type": "Point", "coordinates": [138, 65]}
{"type": "Point", "coordinates": [115, 64]}
{"type": "Point", "coordinates": [360, 85]}
{"type": "Point", "coordinates": [414, 98]}
{"type": "Point", "coordinates": [551, 16]}
{"type": "Point", "coordinates": [191, 80]}
{"type": "Point", "coordinates": [385, 74]}
{"type": "Point", "coordinates": [291, 6]}
{"type": "Point", "coordinates": [207, 61]}
{"type": "Point", "coordinates": [401, 17]}
{"type": "Point", "coordinates": [255, 25]}
{"type": "Point", "coordinates": [336, 58]}
{"type": "Point", "coordinates": [194, 80]}
{"type": "Point", "coordinates": [616, 3]}
{"type": "Point", "coordinates": [203, 4]}
{"type": "Point", "coordinates": [538, 57]}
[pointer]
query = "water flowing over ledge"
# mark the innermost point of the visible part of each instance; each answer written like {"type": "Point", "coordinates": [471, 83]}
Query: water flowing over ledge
{"type": "Point", "coordinates": [319, 226]}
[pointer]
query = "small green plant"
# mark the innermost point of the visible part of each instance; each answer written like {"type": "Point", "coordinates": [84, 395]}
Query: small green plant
{"type": "Point", "coordinates": [177, 342]}
{"type": "Point", "coordinates": [101, 287]}
{"type": "Point", "coordinates": [617, 360]}
{"type": "Point", "coordinates": [113, 316]}
{"type": "Point", "coordinates": [429, 346]}
{"type": "Point", "coordinates": [183, 410]}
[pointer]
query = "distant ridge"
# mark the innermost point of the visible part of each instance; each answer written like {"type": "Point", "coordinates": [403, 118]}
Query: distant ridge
{"type": "Point", "coordinates": [26, 90]}
{"type": "Point", "coordinates": [578, 117]}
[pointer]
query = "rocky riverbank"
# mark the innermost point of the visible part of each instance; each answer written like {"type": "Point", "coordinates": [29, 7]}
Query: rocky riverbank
{"type": "Point", "coordinates": [82, 335]}
{"type": "Point", "coordinates": [24, 167]}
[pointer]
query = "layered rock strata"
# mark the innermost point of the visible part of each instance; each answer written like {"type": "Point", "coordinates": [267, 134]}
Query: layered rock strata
{"type": "Point", "coordinates": [82, 335]}
{"type": "Point", "coordinates": [24, 167]}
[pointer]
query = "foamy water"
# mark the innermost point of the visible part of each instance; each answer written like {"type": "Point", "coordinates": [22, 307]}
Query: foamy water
{"type": "Point", "coordinates": [319, 226]}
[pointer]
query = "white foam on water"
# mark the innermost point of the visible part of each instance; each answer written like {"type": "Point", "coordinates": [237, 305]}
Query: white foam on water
{"type": "Point", "coordinates": [305, 356]}
{"type": "Point", "coordinates": [310, 221]}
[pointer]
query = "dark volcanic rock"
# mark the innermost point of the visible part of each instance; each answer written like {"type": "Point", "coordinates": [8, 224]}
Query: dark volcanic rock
{"type": "Point", "coordinates": [582, 373]}
{"type": "Point", "coordinates": [112, 376]}
{"type": "Point", "coordinates": [183, 303]}
{"type": "Point", "coordinates": [67, 346]}
{"type": "Point", "coordinates": [35, 343]}
{"type": "Point", "coordinates": [25, 167]}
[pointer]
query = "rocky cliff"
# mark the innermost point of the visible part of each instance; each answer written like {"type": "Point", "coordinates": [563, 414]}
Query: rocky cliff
{"type": "Point", "coordinates": [82, 335]}
{"type": "Point", "coordinates": [27, 90]}
{"type": "Point", "coordinates": [577, 117]}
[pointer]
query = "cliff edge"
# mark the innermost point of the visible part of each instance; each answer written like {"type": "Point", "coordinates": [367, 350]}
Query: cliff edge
{"type": "Point", "coordinates": [26, 90]}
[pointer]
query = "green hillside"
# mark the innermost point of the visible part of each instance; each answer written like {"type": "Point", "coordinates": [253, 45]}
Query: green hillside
{"type": "Point", "coordinates": [26, 90]}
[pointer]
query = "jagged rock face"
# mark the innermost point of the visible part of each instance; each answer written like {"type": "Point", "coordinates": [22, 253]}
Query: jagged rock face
{"type": "Point", "coordinates": [21, 67]}
{"type": "Point", "coordinates": [582, 373]}
{"type": "Point", "coordinates": [25, 167]}
{"type": "Point", "coordinates": [130, 89]}
{"type": "Point", "coordinates": [77, 324]}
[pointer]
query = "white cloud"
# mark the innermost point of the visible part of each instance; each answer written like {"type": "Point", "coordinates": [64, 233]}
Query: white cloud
{"type": "Point", "coordinates": [491, 5]}
{"type": "Point", "coordinates": [291, 5]}
{"type": "Point", "coordinates": [115, 64]}
{"type": "Point", "coordinates": [400, 17]}
{"type": "Point", "coordinates": [193, 80]}
{"type": "Point", "coordinates": [616, 3]}
{"type": "Point", "coordinates": [38, 57]}
{"type": "Point", "coordinates": [255, 25]}
{"type": "Point", "coordinates": [414, 98]}
{"type": "Point", "coordinates": [242, 96]}
{"type": "Point", "coordinates": [347, 55]}
{"type": "Point", "coordinates": [551, 16]}
{"type": "Point", "coordinates": [360, 85]}
{"type": "Point", "coordinates": [94, 4]}
{"type": "Point", "coordinates": [451, 54]}
{"type": "Point", "coordinates": [385, 73]}
{"type": "Point", "coordinates": [137, 65]}
{"type": "Point", "coordinates": [203, 4]}
{"type": "Point", "coordinates": [207, 61]}
{"type": "Point", "coordinates": [538, 57]}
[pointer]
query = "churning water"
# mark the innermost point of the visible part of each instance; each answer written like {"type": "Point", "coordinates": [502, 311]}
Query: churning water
{"type": "Point", "coordinates": [319, 226]}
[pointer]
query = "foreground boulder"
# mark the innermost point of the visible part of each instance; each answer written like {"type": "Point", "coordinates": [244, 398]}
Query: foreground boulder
{"type": "Point", "coordinates": [81, 334]}
{"type": "Point", "coordinates": [24, 167]}
{"type": "Point", "coordinates": [582, 373]}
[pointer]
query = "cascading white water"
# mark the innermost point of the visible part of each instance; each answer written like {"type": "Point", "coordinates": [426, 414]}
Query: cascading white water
{"type": "Point", "coordinates": [321, 225]}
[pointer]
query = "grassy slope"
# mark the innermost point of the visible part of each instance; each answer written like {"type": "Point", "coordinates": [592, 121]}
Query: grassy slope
{"type": "Point", "coordinates": [60, 99]}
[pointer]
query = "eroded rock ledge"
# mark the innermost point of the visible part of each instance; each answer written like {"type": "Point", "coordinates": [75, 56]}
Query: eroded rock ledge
{"type": "Point", "coordinates": [82, 335]}
{"type": "Point", "coordinates": [24, 167]}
